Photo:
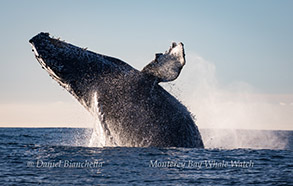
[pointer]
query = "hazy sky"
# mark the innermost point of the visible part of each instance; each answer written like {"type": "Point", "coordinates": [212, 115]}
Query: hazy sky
{"type": "Point", "coordinates": [243, 45]}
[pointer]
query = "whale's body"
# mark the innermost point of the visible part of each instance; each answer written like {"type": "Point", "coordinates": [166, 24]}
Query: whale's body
{"type": "Point", "coordinates": [134, 110]}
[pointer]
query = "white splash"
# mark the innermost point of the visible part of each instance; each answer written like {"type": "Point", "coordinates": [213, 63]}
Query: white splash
{"type": "Point", "coordinates": [234, 106]}
{"type": "Point", "coordinates": [98, 138]}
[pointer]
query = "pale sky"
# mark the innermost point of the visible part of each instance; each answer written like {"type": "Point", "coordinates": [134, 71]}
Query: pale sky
{"type": "Point", "coordinates": [239, 57]}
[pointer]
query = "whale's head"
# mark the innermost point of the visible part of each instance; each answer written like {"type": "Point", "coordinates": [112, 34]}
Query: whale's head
{"type": "Point", "coordinates": [76, 69]}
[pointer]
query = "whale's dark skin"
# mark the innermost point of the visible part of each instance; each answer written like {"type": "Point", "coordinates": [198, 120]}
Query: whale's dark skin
{"type": "Point", "coordinates": [134, 110]}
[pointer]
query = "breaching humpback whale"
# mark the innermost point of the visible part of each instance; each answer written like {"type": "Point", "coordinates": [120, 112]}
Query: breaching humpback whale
{"type": "Point", "coordinates": [133, 109]}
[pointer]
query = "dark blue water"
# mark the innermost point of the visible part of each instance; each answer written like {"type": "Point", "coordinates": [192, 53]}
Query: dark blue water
{"type": "Point", "coordinates": [60, 156]}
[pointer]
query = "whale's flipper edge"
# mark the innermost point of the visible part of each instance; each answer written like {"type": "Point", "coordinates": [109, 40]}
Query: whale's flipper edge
{"type": "Point", "coordinates": [167, 67]}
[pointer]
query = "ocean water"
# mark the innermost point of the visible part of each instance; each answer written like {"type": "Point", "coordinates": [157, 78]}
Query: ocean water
{"type": "Point", "coordinates": [62, 156]}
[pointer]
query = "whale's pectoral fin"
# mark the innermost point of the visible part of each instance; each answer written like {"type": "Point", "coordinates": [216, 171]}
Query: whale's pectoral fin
{"type": "Point", "coordinates": [166, 67]}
